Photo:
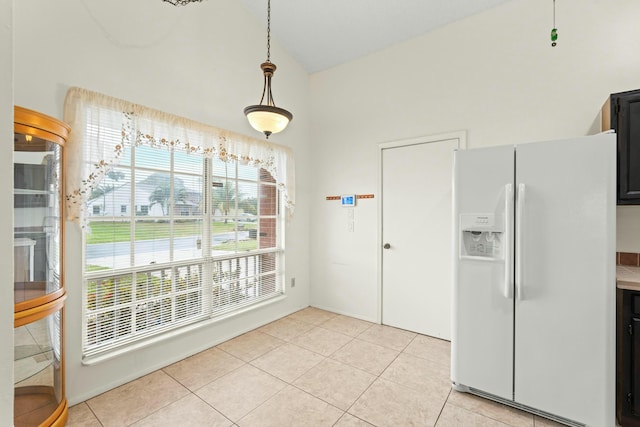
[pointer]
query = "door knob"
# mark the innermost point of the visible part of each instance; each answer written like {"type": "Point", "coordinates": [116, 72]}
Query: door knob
{"type": "Point", "coordinates": [387, 246]}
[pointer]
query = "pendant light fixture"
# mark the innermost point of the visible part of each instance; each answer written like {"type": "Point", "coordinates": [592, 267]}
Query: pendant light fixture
{"type": "Point", "coordinates": [181, 2]}
{"type": "Point", "coordinates": [267, 118]}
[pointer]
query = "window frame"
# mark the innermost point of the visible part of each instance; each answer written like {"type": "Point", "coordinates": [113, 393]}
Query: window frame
{"type": "Point", "coordinates": [115, 346]}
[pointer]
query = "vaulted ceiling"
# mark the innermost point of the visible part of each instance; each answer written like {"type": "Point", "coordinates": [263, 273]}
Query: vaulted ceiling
{"type": "Point", "coordinates": [321, 34]}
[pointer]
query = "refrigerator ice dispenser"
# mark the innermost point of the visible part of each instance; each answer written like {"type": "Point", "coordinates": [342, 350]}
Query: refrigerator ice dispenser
{"type": "Point", "coordinates": [482, 237]}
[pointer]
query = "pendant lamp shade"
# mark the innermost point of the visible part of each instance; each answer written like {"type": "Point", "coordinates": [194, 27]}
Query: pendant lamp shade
{"type": "Point", "coordinates": [267, 119]}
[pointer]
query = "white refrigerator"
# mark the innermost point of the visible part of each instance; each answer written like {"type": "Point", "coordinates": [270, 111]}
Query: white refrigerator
{"type": "Point", "coordinates": [534, 277]}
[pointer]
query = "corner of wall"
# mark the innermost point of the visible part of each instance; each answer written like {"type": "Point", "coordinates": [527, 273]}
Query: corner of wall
{"type": "Point", "coordinates": [6, 199]}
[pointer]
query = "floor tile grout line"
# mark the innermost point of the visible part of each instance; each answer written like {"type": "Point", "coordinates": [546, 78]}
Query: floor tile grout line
{"type": "Point", "coordinates": [248, 361]}
{"type": "Point", "coordinates": [332, 360]}
{"type": "Point", "coordinates": [359, 397]}
{"type": "Point", "coordinates": [86, 402]}
{"type": "Point", "coordinates": [390, 348]}
{"type": "Point", "coordinates": [285, 381]}
{"type": "Point", "coordinates": [213, 407]}
{"type": "Point", "coordinates": [256, 408]}
{"type": "Point", "coordinates": [331, 330]}
{"type": "Point", "coordinates": [161, 408]}
{"type": "Point", "coordinates": [306, 348]}
{"type": "Point", "coordinates": [357, 367]}
{"type": "Point", "coordinates": [368, 342]}
{"type": "Point", "coordinates": [319, 398]}
{"type": "Point", "coordinates": [377, 377]}
{"type": "Point", "coordinates": [442, 409]}
{"type": "Point", "coordinates": [293, 317]}
{"type": "Point", "coordinates": [338, 349]}
{"type": "Point", "coordinates": [354, 416]}
{"type": "Point", "coordinates": [151, 413]}
{"type": "Point", "coordinates": [221, 376]}
{"type": "Point", "coordinates": [353, 336]}
{"type": "Point", "coordinates": [388, 365]}
{"type": "Point", "coordinates": [270, 398]}
{"type": "Point", "coordinates": [193, 392]}
{"type": "Point", "coordinates": [341, 417]}
{"type": "Point", "coordinates": [266, 400]}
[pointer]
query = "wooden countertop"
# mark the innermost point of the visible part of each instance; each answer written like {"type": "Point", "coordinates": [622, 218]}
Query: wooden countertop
{"type": "Point", "coordinates": [628, 277]}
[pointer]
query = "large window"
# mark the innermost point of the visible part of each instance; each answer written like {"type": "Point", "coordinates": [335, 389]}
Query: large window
{"type": "Point", "coordinates": [174, 233]}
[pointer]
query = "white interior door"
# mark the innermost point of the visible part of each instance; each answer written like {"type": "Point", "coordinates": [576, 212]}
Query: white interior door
{"type": "Point", "coordinates": [416, 228]}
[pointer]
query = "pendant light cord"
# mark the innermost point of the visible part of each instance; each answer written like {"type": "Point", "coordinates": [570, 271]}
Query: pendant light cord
{"type": "Point", "coordinates": [269, 30]}
{"type": "Point", "coordinates": [554, 13]}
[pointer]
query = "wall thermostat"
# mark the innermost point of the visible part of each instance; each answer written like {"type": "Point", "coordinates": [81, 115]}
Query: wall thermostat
{"type": "Point", "coordinates": [348, 200]}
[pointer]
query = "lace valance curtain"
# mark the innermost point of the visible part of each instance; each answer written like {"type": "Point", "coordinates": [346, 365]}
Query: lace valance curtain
{"type": "Point", "coordinates": [104, 128]}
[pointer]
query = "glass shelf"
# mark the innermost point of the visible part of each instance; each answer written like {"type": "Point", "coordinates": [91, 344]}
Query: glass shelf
{"type": "Point", "coordinates": [37, 370]}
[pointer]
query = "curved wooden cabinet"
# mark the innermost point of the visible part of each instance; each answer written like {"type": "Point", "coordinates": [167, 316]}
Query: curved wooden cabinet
{"type": "Point", "coordinates": [39, 293]}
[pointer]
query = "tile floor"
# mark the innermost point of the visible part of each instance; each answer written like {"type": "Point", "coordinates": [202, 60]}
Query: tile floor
{"type": "Point", "coordinates": [312, 368]}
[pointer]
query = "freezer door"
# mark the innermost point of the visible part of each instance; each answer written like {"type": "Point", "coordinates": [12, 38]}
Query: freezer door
{"type": "Point", "coordinates": [565, 278]}
{"type": "Point", "coordinates": [482, 323]}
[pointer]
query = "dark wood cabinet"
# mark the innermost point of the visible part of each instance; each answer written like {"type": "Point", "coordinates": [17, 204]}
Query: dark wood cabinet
{"type": "Point", "coordinates": [635, 364]}
{"type": "Point", "coordinates": [628, 358]}
{"type": "Point", "coordinates": [623, 111]}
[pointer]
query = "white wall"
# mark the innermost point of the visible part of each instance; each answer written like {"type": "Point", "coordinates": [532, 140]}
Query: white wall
{"type": "Point", "coordinates": [6, 196]}
{"type": "Point", "coordinates": [628, 236]}
{"type": "Point", "coordinates": [494, 75]}
{"type": "Point", "coordinates": [201, 61]}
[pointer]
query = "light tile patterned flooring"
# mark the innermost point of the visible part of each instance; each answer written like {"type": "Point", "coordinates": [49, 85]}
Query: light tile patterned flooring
{"type": "Point", "coordinates": [312, 368]}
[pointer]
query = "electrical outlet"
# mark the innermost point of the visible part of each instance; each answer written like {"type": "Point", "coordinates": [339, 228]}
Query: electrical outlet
{"type": "Point", "coordinates": [293, 282]}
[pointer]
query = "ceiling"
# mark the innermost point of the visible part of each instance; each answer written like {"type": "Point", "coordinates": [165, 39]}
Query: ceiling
{"type": "Point", "coordinates": [321, 34]}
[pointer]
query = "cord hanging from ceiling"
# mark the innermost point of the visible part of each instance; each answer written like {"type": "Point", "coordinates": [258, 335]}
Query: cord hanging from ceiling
{"type": "Point", "coordinates": [554, 30]}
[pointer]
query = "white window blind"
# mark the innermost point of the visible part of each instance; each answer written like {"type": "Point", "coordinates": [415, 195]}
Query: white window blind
{"type": "Point", "coordinates": [176, 231]}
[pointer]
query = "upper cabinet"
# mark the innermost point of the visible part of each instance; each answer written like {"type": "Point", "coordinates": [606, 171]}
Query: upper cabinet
{"type": "Point", "coordinates": [622, 113]}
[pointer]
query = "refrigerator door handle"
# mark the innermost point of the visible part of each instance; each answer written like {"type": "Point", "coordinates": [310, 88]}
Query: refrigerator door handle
{"type": "Point", "coordinates": [508, 241]}
{"type": "Point", "coordinates": [519, 237]}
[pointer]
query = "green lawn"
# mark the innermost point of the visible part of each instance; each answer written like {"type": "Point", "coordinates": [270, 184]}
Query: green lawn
{"type": "Point", "coordinates": [116, 231]}
{"type": "Point", "coordinates": [93, 267]}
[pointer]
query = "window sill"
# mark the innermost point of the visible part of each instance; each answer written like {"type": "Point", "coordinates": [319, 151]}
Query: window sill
{"type": "Point", "coordinates": [107, 355]}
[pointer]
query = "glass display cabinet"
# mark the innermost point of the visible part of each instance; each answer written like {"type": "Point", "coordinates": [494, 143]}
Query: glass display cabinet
{"type": "Point", "coordinates": [38, 245]}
